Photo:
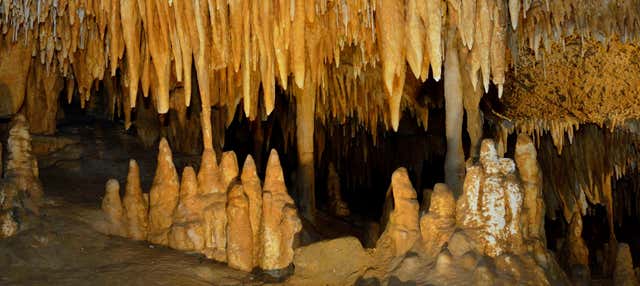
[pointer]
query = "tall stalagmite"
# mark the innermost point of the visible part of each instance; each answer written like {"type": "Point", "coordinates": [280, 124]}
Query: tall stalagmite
{"type": "Point", "coordinates": [136, 208]}
{"type": "Point", "coordinates": [402, 230]}
{"type": "Point", "coordinates": [112, 208]}
{"type": "Point", "coordinates": [187, 230]}
{"type": "Point", "coordinates": [239, 233]}
{"type": "Point", "coordinates": [163, 196]}
{"type": "Point", "coordinates": [253, 190]}
{"type": "Point", "coordinates": [531, 175]}
{"type": "Point", "coordinates": [280, 222]}
{"type": "Point", "coordinates": [21, 187]}
{"type": "Point", "coordinates": [211, 187]}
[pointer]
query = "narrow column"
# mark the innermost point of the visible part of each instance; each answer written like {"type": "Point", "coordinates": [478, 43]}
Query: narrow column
{"type": "Point", "coordinates": [454, 160]}
{"type": "Point", "coordinates": [305, 109]}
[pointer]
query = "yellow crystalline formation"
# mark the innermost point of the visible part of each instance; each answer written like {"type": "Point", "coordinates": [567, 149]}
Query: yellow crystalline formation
{"type": "Point", "coordinates": [243, 48]}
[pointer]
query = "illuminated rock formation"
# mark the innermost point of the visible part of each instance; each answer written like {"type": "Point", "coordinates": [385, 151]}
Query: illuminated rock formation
{"type": "Point", "coordinates": [163, 196]}
{"type": "Point", "coordinates": [338, 261]}
{"type": "Point", "coordinates": [280, 222]}
{"type": "Point", "coordinates": [253, 191]}
{"type": "Point", "coordinates": [531, 175]}
{"type": "Point", "coordinates": [575, 252]}
{"type": "Point", "coordinates": [136, 207]}
{"type": "Point", "coordinates": [112, 208]}
{"type": "Point", "coordinates": [187, 230]}
{"type": "Point", "coordinates": [21, 186]}
{"type": "Point", "coordinates": [337, 206]}
{"type": "Point", "coordinates": [212, 189]}
{"type": "Point", "coordinates": [437, 226]}
{"type": "Point", "coordinates": [402, 229]}
{"type": "Point", "coordinates": [491, 204]}
{"type": "Point", "coordinates": [239, 233]}
{"type": "Point", "coordinates": [20, 189]}
{"type": "Point", "coordinates": [229, 168]}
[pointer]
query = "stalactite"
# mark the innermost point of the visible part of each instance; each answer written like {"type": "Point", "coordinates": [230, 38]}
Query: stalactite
{"type": "Point", "coordinates": [241, 45]}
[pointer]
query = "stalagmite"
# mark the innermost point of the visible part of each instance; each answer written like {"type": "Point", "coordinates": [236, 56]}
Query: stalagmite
{"type": "Point", "coordinates": [402, 229]}
{"type": "Point", "coordinates": [305, 119]}
{"type": "Point", "coordinates": [229, 168]}
{"type": "Point", "coordinates": [21, 187]}
{"type": "Point", "coordinates": [239, 233]}
{"type": "Point", "coordinates": [112, 208]}
{"type": "Point", "coordinates": [491, 204]}
{"type": "Point", "coordinates": [187, 229]}
{"type": "Point", "coordinates": [211, 186]}
{"type": "Point", "coordinates": [437, 226]}
{"type": "Point", "coordinates": [575, 252]}
{"type": "Point", "coordinates": [454, 161]}
{"type": "Point", "coordinates": [623, 273]}
{"type": "Point", "coordinates": [531, 175]}
{"type": "Point", "coordinates": [336, 204]}
{"type": "Point", "coordinates": [163, 196]}
{"type": "Point", "coordinates": [136, 208]}
{"type": "Point", "coordinates": [280, 222]}
{"type": "Point", "coordinates": [253, 191]}
{"type": "Point", "coordinates": [8, 225]}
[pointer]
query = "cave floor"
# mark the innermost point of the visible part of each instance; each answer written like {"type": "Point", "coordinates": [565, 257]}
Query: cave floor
{"type": "Point", "coordinates": [61, 248]}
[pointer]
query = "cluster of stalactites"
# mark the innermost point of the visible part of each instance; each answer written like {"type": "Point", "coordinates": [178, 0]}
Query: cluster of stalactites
{"type": "Point", "coordinates": [223, 212]}
{"type": "Point", "coordinates": [584, 173]}
{"type": "Point", "coordinates": [241, 45]}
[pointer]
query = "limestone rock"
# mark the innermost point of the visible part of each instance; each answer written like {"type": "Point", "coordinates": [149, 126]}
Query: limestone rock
{"type": "Point", "coordinates": [8, 225]}
{"type": "Point", "coordinates": [438, 224]}
{"type": "Point", "coordinates": [337, 205]}
{"type": "Point", "coordinates": [209, 181]}
{"type": "Point", "coordinates": [531, 175]}
{"type": "Point", "coordinates": [239, 233]}
{"type": "Point", "coordinates": [136, 208]}
{"type": "Point", "coordinates": [112, 209]}
{"type": "Point", "coordinates": [460, 244]}
{"type": "Point", "coordinates": [187, 230]}
{"type": "Point", "coordinates": [214, 195]}
{"type": "Point", "coordinates": [280, 222]}
{"type": "Point", "coordinates": [575, 251]}
{"type": "Point", "coordinates": [229, 168]}
{"type": "Point", "coordinates": [402, 228]}
{"type": "Point", "coordinates": [623, 273]}
{"type": "Point", "coordinates": [163, 196]}
{"type": "Point", "coordinates": [253, 190]}
{"type": "Point", "coordinates": [338, 261]}
{"type": "Point", "coordinates": [21, 187]}
{"type": "Point", "coordinates": [491, 204]}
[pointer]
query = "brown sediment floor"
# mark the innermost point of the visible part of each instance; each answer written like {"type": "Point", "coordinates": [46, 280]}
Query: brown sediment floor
{"type": "Point", "coordinates": [61, 248]}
